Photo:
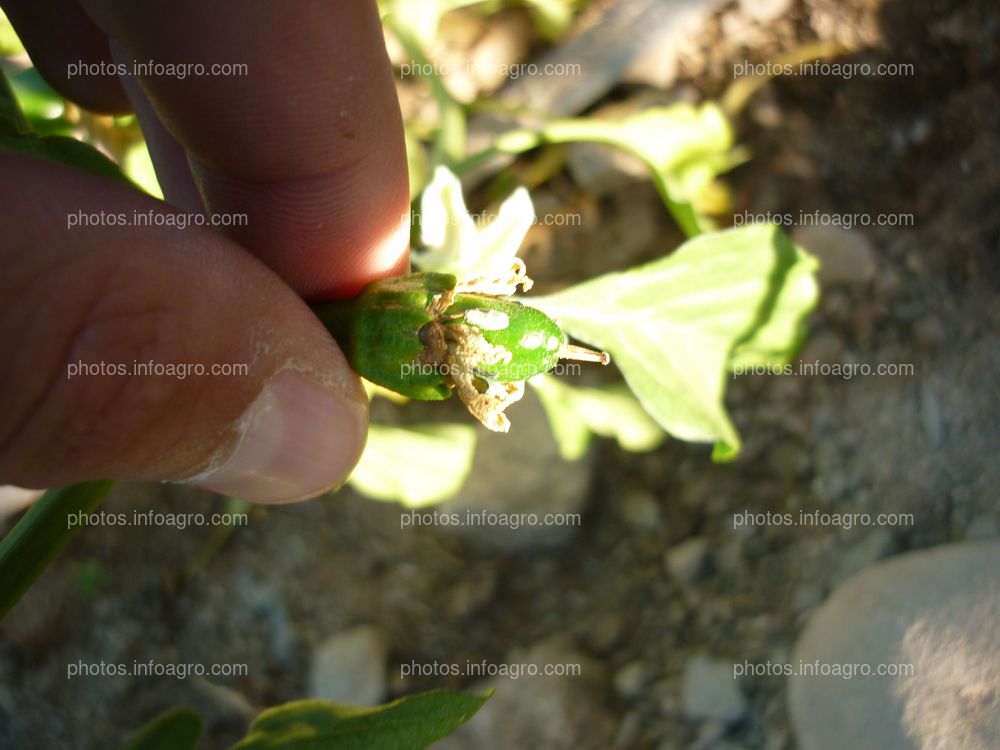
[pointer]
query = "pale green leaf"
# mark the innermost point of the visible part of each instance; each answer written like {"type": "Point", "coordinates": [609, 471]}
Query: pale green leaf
{"type": "Point", "coordinates": [784, 327]}
{"type": "Point", "coordinates": [609, 411]}
{"type": "Point", "coordinates": [553, 17]}
{"type": "Point", "coordinates": [420, 17]}
{"type": "Point", "coordinates": [671, 325]}
{"type": "Point", "coordinates": [138, 165]}
{"type": "Point", "coordinates": [415, 465]}
{"type": "Point", "coordinates": [684, 146]}
{"type": "Point", "coordinates": [410, 723]}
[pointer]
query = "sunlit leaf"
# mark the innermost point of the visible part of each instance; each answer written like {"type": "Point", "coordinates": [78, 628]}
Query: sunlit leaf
{"type": "Point", "coordinates": [576, 413]}
{"type": "Point", "coordinates": [684, 146]}
{"type": "Point", "coordinates": [553, 17]}
{"type": "Point", "coordinates": [415, 465]}
{"type": "Point", "coordinates": [139, 167]}
{"type": "Point", "coordinates": [420, 17]}
{"type": "Point", "coordinates": [10, 45]}
{"type": "Point", "coordinates": [671, 325]}
{"type": "Point", "coordinates": [410, 723]}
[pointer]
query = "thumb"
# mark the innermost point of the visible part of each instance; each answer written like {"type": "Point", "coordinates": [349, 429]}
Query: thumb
{"type": "Point", "coordinates": [133, 349]}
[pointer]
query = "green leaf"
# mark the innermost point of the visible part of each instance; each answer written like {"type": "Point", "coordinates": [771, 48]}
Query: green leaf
{"type": "Point", "coordinates": [553, 17]}
{"type": "Point", "coordinates": [685, 148]}
{"type": "Point", "coordinates": [138, 165]}
{"type": "Point", "coordinates": [452, 241]}
{"type": "Point", "coordinates": [42, 105]}
{"type": "Point", "coordinates": [420, 18]}
{"type": "Point", "coordinates": [417, 163]}
{"type": "Point", "coordinates": [414, 23]}
{"type": "Point", "coordinates": [609, 411]}
{"type": "Point", "coordinates": [12, 119]}
{"type": "Point", "coordinates": [41, 535]}
{"type": "Point", "coordinates": [415, 465]}
{"type": "Point", "coordinates": [10, 45]}
{"type": "Point", "coordinates": [783, 326]}
{"type": "Point", "coordinates": [410, 723]}
{"type": "Point", "coordinates": [67, 151]}
{"type": "Point", "coordinates": [671, 325]}
{"type": "Point", "coordinates": [175, 729]}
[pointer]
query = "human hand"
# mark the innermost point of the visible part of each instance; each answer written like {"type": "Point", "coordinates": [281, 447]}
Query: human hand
{"type": "Point", "coordinates": [308, 145]}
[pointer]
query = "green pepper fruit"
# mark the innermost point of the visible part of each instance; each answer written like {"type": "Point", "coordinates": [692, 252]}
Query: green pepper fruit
{"type": "Point", "coordinates": [424, 335]}
{"type": "Point", "coordinates": [379, 332]}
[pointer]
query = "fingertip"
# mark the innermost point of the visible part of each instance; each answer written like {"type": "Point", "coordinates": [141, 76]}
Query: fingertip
{"type": "Point", "coordinates": [297, 439]}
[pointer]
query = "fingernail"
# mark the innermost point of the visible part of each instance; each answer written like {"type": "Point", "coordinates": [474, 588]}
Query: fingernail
{"type": "Point", "coordinates": [298, 440]}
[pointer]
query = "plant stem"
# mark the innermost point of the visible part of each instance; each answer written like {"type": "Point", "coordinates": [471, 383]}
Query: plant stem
{"type": "Point", "coordinates": [41, 535]}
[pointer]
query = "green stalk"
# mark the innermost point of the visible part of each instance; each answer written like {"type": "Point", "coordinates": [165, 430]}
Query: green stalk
{"type": "Point", "coordinates": [41, 535]}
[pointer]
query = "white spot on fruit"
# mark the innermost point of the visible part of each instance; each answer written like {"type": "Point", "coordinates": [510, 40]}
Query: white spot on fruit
{"type": "Point", "coordinates": [487, 320]}
{"type": "Point", "coordinates": [532, 340]}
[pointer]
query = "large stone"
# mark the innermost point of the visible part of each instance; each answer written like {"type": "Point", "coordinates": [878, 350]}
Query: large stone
{"type": "Point", "coordinates": [930, 617]}
{"type": "Point", "coordinates": [846, 256]}
{"type": "Point", "coordinates": [350, 667]}
{"type": "Point", "coordinates": [709, 690]}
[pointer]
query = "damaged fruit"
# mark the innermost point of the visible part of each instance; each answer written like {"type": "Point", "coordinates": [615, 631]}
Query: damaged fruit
{"type": "Point", "coordinates": [427, 334]}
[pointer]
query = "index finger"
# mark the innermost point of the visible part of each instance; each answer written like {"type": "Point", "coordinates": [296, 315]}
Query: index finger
{"type": "Point", "coordinates": [293, 121]}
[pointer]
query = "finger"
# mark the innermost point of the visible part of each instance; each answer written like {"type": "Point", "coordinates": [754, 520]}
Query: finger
{"type": "Point", "coordinates": [307, 139]}
{"type": "Point", "coordinates": [64, 44]}
{"type": "Point", "coordinates": [173, 172]}
{"type": "Point", "coordinates": [83, 304]}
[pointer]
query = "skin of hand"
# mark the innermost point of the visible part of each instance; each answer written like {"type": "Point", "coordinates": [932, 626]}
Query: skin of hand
{"type": "Point", "coordinates": [308, 145]}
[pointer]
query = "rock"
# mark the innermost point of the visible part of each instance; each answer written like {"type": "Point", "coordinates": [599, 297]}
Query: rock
{"type": "Point", "coordinates": [516, 482]}
{"type": "Point", "coordinates": [709, 690]}
{"type": "Point", "coordinates": [350, 667]}
{"type": "Point", "coordinates": [641, 511]}
{"type": "Point", "coordinates": [687, 561]}
{"type": "Point", "coordinates": [846, 256]}
{"type": "Point", "coordinates": [930, 616]}
{"type": "Point", "coordinates": [630, 680]}
{"type": "Point", "coordinates": [983, 527]}
{"type": "Point", "coordinates": [876, 546]}
{"type": "Point", "coordinates": [540, 711]}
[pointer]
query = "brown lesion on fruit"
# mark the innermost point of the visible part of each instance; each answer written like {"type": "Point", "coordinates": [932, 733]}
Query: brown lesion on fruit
{"type": "Point", "coordinates": [459, 349]}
